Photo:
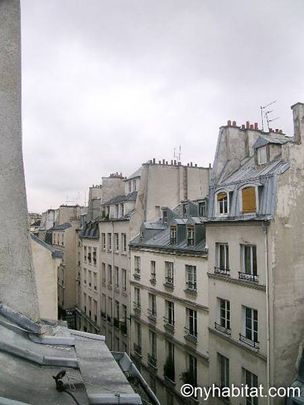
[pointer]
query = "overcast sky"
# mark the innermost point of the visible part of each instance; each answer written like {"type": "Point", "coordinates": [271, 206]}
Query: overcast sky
{"type": "Point", "coordinates": [110, 84]}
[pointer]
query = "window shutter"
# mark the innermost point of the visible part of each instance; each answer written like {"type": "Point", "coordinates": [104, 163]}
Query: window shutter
{"type": "Point", "coordinates": [249, 200]}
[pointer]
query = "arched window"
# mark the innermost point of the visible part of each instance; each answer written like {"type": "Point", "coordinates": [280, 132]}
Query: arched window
{"type": "Point", "coordinates": [249, 201]}
{"type": "Point", "coordinates": [222, 203]}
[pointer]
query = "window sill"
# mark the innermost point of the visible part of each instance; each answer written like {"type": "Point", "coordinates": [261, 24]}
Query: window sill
{"type": "Point", "coordinates": [190, 291]}
{"type": "Point", "coordinates": [169, 286]}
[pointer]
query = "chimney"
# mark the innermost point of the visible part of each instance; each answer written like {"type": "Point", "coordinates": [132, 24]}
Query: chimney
{"type": "Point", "coordinates": [247, 124]}
{"type": "Point", "coordinates": [153, 160]}
{"type": "Point", "coordinates": [229, 123]}
{"type": "Point", "coordinates": [234, 123]}
{"type": "Point", "coordinates": [298, 122]}
{"type": "Point", "coordinates": [17, 286]}
{"type": "Point", "coordinates": [256, 126]}
{"type": "Point", "coordinates": [243, 126]}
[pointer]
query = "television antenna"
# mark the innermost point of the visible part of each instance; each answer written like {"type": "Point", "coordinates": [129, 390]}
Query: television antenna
{"type": "Point", "coordinates": [265, 115]}
{"type": "Point", "coordinates": [177, 155]}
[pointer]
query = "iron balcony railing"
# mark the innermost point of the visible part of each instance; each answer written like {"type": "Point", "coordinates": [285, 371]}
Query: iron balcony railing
{"type": "Point", "coordinates": [152, 361]}
{"type": "Point", "coordinates": [249, 342]}
{"type": "Point", "coordinates": [248, 277]}
{"type": "Point", "coordinates": [225, 271]}
{"type": "Point", "coordinates": [222, 328]}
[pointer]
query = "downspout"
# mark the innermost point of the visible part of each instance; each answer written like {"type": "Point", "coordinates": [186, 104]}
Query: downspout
{"type": "Point", "coordinates": [266, 246]}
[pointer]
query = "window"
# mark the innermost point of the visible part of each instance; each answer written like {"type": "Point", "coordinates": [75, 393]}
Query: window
{"type": "Point", "coordinates": [124, 279]}
{"type": "Point", "coordinates": [223, 366]}
{"type": "Point", "coordinates": [262, 155]}
{"type": "Point", "coordinates": [137, 337]}
{"type": "Point", "coordinates": [173, 235]}
{"type": "Point", "coordinates": [222, 203]}
{"type": "Point", "coordinates": [169, 312]}
{"type": "Point", "coordinates": [191, 319]}
{"type": "Point", "coordinates": [116, 276]}
{"type": "Point", "coordinates": [130, 186]}
{"type": "Point", "coordinates": [169, 273]}
{"type": "Point", "coordinates": [109, 274]}
{"type": "Point", "coordinates": [134, 185]}
{"type": "Point", "coordinates": [223, 316]}
{"type": "Point", "coordinates": [137, 297]}
{"type": "Point", "coordinates": [116, 241]}
{"type": "Point", "coordinates": [250, 328]}
{"type": "Point", "coordinates": [222, 258]}
{"type": "Point", "coordinates": [84, 276]}
{"type": "Point", "coordinates": [109, 242]}
{"type": "Point", "coordinates": [103, 241]}
{"type": "Point", "coordinates": [251, 380]}
{"type": "Point", "coordinates": [169, 367]}
{"type": "Point", "coordinates": [89, 254]}
{"type": "Point", "coordinates": [116, 211]}
{"type": "Point", "coordinates": [165, 216]}
{"type": "Point", "coordinates": [152, 357]}
{"type": "Point", "coordinates": [153, 271]}
{"type": "Point", "coordinates": [94, 256]}
{"type": "Point", "coordinates": [202, 209]}
{"type": "Point", "coordinates": [123, 325]}
{"type": "Point", "coordinates": [103, 271]}
{"type": "Point", "coordinates": [109, 309]}
{"type": "Point", "coordinates": [103, 306]}
{"type": "Point", "coordinates": [137, 264]}
{"type": "Point", "coordinates": [122, 210]}
{"type": "Point", "coordinates": [190, 235]}
{"type": "Point", "coordinates": [191, 278]}
{"type": "Point", "coordinates": [116, 314]}
{"type": "Point", "coordinates": [124, 242]}
{"type": "Point", "coordinates": [190, 377]}
{"type": "Point", "coordinates": [249, 203]}
{"type": "Point", "coordinates": [95, 281]}
{"type": "Point", "coordinates": [248, 263]}
{"type": "Point", "coordinates": [152, 305]}
{"type": "Point", "coordinates": [85, 254]}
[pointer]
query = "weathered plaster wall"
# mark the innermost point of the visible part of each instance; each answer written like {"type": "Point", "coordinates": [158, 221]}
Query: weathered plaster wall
{"type": "Point", "coordinates": [45, 266]}
{"type": "Point", "coordinates": [287, 277]}
{"type": "Point", "coordinates": [17, 279]}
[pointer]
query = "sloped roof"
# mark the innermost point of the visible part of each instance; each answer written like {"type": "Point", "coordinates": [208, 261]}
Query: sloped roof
{"type": "Point", "coordinates": [61, 227]}
{"type": "Point", "coordinates": [32, 353]}
{"type": "Point", "coordinates": [134, 175]}
{"type": "Point", "coordinates": [122, 198]}
{"type": "Point", "coordinates": [274, 138]}
{"type": "Point", "coordinates": [55, 252]}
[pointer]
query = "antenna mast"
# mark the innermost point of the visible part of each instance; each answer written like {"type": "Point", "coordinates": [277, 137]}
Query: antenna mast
{"type": "Point", "coordinates": [265, 115]}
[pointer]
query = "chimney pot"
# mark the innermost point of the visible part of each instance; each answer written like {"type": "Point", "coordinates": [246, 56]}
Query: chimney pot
{"type": "Point", "coordinates": [256, 125]}
{"type": "Point", "coordinates": [229, 123]}
{"type": "Point", "coordinates": [251, 126]}
{"type": "Point", "coordinates": [247, 124]}
{"type": "Point", "coordinates": [243, 126]}
{"type": "Point", "coordinates": [234, 123]}
{"type": "Point", "coordinates": [154, 161]}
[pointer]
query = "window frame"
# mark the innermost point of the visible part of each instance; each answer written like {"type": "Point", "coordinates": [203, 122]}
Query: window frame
{"type": "Point", "coordinates": [256, 188]}
{"type": "Point", "coordinates": [221, 207]}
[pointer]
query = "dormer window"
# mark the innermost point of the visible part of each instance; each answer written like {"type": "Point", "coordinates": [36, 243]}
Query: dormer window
{"type": "Point", "coordinates": [202, 209]}
{"type": "Point", "coordinates": [172, 235]}
{"type": "Point", "coordinates": [249, 199]}
{"type": "Point", "coordinates": [222, 203]}
{"type": "Point", "coordinates": [190, 235]}
{"type": "Point", "coordinates": [262, 155]}
{"type": "Point", "coordinates": [165, 216]}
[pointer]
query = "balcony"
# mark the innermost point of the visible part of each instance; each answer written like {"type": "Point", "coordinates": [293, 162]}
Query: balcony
{"type": "Point", "coordinates": [152, 361]}
{"type": "Point", "coordinates": [190, 335]}
{"type": "Point", "coordinates": [152, 315]}
{"type": "Point", "coordinates": [137, 349]}
{"type": "Point", "coordinates": [191, 287]}
{"type": "Point", "coordinates": [224, 271]}
{"type": "Point", "coordinates": [136, 308]}
{"type": "Point", "coordinates": [153, 279]}
{"type": "Point", "coordinates": [248, 277]}
{"type": "Point", "coordinates": [123, 328]}
{"type": "Point", "coordinates": [169, 325]}
{"type": "Point", "coordinates": [169, 282]}
{"type": "Point", "coordinates": [222, 329]}
{"type": "Point", "coordinates": [249, 342]}
{"type": "Point", "coordinates": [136, 274]}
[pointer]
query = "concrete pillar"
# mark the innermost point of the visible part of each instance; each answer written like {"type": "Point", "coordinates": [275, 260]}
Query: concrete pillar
{"type": "Point", "coordinates": [17, 280]}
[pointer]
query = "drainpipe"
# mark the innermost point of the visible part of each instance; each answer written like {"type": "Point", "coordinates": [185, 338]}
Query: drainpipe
{"type": "Point", "coordinates": [266, 246]}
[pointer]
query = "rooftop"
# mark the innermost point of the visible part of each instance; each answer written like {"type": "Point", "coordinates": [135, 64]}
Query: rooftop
{"type": "Point", "coordinates": [33, 353]}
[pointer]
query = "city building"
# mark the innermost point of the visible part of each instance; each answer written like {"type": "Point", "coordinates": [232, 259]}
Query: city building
{"type": "Point", "coordinates": [254, 236]}
{"type": "Point", "coordinates": [46, 264]}
{"type": "Point", "coordinates": [169, 298]}
{"type": "Point", "coordinates": [104, 292]}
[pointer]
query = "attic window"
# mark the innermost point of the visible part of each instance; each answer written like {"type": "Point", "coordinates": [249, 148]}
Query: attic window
{"type": "Point", "coordinates": [202, 209]}
{"type": "Point", "coordinates": [262, 155]}
{"type": "Point", "coordinates": [222, 203]}
{"type": "Point", "coordinates": [172, 235]}
{"type": "Point", "coordinates": [249, 204]}
{"type": "Point", "coordinates": [190, 235]}
{"type": "Point", "coordinates": [165, 216]}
